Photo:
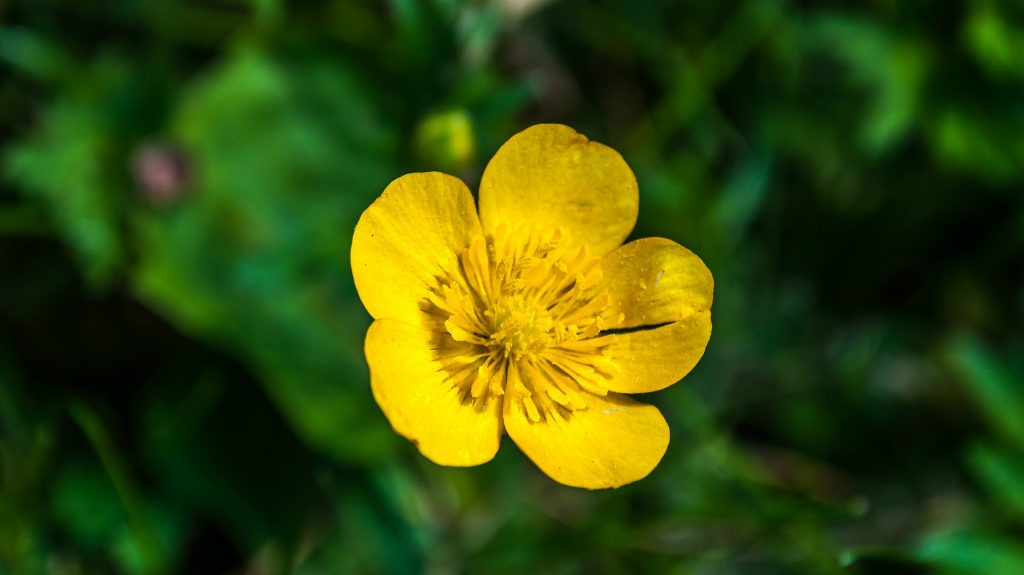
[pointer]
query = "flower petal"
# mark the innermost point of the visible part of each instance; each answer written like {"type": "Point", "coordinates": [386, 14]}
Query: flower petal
{"type": "Point", "coordinates": [412, 389]}
{"type": "Point", "coordinates": [653, 359]}
{"type": "Point", "coordinates": [550, 176]}
{"type": "Point", "coordinates": [405, 240]}
{"type": "Point", "coordinates": [664, 292]}
{"type": "Point", "coordinates": [614, 441]}
{"type": "Point", "coordinates": [653, 281]}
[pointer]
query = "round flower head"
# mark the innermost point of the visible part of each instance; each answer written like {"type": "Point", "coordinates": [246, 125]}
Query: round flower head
{"type": "Point", "coordinates": [530, 318]}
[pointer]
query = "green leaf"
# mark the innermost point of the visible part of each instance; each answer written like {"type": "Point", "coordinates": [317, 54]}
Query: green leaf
{"type": "Point", "coordinates": [87, 504]}
{"type": "Point", "coordinates": [32, 53]}
{"type": "Point", "coordinates": [974, 553]}
{"type": "Point", "coordinates": [1002, 472]}
{"type": "Point", "coordinates": [993, 40]}
{"type": "Point", "coordinates": [981, 139]}
{"type": "Point", "coordinates": [994, 389]}
{"type": "Point", "coordinates": [891, 67]}
{"type": "Point", "coordinates": [73, 164]}
{"type": "Point", "coordinates": [285, 158]}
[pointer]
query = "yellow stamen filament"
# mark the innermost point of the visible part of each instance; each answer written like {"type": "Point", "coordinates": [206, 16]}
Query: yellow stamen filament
{"type": "Point", "coordinates": [516, 316]}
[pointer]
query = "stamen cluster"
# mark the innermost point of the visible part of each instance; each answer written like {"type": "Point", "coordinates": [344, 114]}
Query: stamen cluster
{"type": "Point", "coordinates": [521, 315]}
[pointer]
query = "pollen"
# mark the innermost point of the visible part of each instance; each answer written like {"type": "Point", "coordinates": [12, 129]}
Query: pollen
{"type": "Point", "coordinates": [518, 315]}
{"type": "Point", "coordinates": [521, 327]}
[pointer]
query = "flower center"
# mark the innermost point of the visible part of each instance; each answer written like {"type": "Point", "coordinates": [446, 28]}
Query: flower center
{"type": "Point", "coordinates": [521, 314]}
{"type": "Point", "coordinates": [521, 327]}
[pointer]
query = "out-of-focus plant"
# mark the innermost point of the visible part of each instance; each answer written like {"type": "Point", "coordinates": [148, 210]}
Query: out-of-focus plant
{"type": "Point", "coordinates": [181, 378]}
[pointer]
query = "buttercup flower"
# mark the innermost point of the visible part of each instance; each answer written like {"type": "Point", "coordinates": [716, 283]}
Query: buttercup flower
{"type": "Point", "coordinates": [530, 318]}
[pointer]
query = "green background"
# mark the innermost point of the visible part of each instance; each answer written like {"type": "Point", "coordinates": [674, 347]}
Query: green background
{"type": "Point", "coordinates": [182, 386]}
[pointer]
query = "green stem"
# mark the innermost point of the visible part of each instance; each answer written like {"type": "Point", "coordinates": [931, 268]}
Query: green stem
{"type": "Point", "coordinates": [145, 535]}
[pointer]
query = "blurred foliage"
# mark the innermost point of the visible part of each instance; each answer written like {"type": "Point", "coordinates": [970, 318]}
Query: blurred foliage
{"type": "Point", "coordinates": [182, 388]}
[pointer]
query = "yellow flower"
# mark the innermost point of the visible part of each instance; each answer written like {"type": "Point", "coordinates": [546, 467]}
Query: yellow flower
{"type": "Point", "coordinates": [530, 319]}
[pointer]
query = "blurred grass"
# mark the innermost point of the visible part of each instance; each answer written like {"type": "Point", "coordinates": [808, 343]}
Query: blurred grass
{"type": "Point", "coordinates": [182, 388]}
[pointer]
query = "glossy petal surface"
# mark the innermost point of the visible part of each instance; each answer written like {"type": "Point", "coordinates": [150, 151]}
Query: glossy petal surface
{"type": "Point", "coordinates": [549, 176]}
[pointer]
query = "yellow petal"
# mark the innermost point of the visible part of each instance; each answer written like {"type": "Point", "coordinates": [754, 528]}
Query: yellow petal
{"type": "Point", "coordinates": [654, 281]}
{"type": "Point", "coordinates": [412, 389]}
{"type": "Point", "coordinates": [664, 293]}
{"type": "Point", "coordinates": [405, 240]}
{"type": "Point", "coordinates": [614, 441]}
{"type": "Point", "coordinates": [550, 176]}
{"type": "Point", "coordinates": [652, 359]}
